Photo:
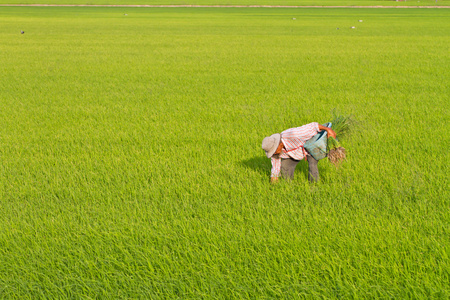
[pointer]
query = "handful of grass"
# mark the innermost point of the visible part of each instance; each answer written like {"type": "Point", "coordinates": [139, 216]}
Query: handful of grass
{"type": "Point", "coordinates": [341, 125]}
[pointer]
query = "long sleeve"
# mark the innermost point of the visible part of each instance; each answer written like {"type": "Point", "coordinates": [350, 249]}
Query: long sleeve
{"type": "Point", "coordinates": [276, 165]}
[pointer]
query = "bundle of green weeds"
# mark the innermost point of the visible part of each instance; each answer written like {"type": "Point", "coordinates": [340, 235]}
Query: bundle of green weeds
{"type": "Point", "coordinates": [341, 125]}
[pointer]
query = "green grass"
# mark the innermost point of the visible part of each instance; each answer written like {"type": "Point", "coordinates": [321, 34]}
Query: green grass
{"type": "Point", "coordinates": [240, 2]}
{"type": "Point", "coordinates": [131, 162]}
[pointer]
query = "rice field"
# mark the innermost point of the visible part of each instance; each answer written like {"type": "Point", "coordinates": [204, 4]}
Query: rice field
{"type": "Point", "coordinates": [131, 162]}
{"type": "Point", "coordinates": [413, 3]}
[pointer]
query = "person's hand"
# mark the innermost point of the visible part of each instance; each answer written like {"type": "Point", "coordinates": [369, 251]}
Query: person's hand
{"type": "Point", "coordinates": [330, 132]}
{"type": "Point", "coordinates": [273, 180]}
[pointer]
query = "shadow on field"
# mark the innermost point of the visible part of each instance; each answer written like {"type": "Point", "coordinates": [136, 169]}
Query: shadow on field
{"type": "Point", "coordinates": [261, 164]}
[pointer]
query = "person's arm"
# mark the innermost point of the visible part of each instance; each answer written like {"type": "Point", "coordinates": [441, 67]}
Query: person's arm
{"type": "Point", "coordinates": [276, 165]}
{"type": "Point", "coordinates": [330, 132]}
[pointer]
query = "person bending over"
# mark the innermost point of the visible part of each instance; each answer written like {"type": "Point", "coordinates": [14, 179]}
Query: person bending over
{"type": "Point", "coordinates": [285, 150]}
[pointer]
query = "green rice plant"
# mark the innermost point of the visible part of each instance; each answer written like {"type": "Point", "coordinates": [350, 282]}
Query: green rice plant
{"type": "Point", "coordinates": [131, 167]}
{"type": "Point", "coordinates": [341, 125]}
{"type": "Point", "coordinates": [332, 143]}
{"type": "Point", "coordinates": [319, 3]}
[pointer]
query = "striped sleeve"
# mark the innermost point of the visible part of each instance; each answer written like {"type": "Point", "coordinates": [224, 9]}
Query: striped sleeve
{"type": "Point", "coordinates": [276, 165]}
{"type": "Point", "coordinates": [307, 131]}
{"type": "Point", "coordinates": [315, 125]}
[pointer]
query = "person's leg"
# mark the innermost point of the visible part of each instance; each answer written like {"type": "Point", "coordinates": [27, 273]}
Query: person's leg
{"type": "Point", "coordinates": [313, 171]}
{"type": "Point", "coordinates": [288, 167]}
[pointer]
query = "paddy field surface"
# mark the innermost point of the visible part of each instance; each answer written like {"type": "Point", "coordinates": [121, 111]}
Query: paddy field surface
{"type": "Point", "coordinates": [131, 162]}
{"type": "Point", "coordinates": [292, 3]}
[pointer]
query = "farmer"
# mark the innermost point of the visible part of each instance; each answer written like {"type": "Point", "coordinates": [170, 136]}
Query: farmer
{"type": "Point", "coordinates": [286, 150]}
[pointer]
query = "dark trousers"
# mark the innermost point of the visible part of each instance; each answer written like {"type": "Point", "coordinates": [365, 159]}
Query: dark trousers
{"type": "Point", "coordinates": [288, 167]}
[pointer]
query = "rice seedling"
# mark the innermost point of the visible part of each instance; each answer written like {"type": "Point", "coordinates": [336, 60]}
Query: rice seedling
{"type": "Point", "coordinates": [341, 124]}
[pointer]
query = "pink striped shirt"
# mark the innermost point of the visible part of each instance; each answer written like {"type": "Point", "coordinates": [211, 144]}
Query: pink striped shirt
{"type": "Point", "coordinates": [293, 140]}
